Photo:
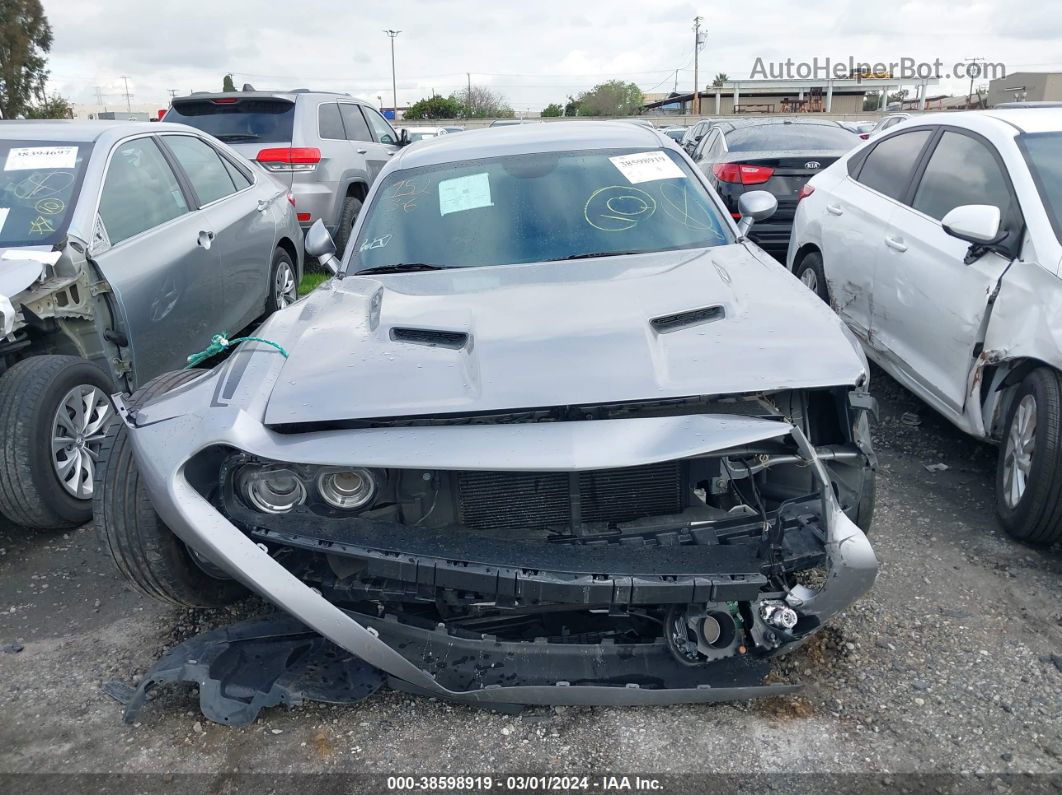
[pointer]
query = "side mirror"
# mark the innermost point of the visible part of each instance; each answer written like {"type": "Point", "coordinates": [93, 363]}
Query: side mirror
{"type": "Point", "coordinates": [319, 244]}
{"type": "Point", "coordinates": [977, 224]}
{"type": "Point", "coordinates": [403, 137]}
{"type": "Point", "coordinates": [757, 205]}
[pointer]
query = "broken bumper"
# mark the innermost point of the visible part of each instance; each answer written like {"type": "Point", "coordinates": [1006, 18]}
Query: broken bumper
{"type": "Point", "coordinates": [493, 671]}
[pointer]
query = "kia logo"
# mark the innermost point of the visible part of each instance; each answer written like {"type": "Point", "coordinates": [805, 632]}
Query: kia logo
{"type": "Point", "coordinates": [811, 164]}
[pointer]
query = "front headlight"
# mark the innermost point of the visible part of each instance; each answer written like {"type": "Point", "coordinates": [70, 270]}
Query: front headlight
{"type": "Point", "coordinates": [271, 489]}
{"type": "Point", "coordinates": [278, 487]}
{"type": "Point", "coordinates": [347, 488]}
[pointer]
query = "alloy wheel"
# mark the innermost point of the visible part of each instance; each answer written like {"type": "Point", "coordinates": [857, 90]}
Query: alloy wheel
{"type": "Point", "coordinates": [78, 429]}
{"type": "Point", "coordinates": [284, 286]}
{"type": "Point", "coordinates": [810, 279]}
{"type": "Point", "coordinates": [1018, 453]}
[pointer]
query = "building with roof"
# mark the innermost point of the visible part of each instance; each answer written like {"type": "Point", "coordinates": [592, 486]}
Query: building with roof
{"type": "Point", "coordinates": [787, 96]}
{"type": "Point", "coordinates": [1026, 87]}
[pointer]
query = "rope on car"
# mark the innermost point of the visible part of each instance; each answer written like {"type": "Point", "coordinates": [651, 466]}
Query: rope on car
{"type": "Point", "coordinates": [219, 343]}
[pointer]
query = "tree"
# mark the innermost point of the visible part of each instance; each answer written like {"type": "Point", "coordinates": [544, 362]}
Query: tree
{"type": "Point", "coordinates": [227, 84]}
{"type": "Point", "coordinates": [552, 109]}
{"type": "Point", "coordinates": [25, 39]}
{"type": "Point", "coordinates": [54, 107]}
{"type": "Point", "coordinates": [435, 107]}
{"type": "Point", "coordinates": [571, 107]}
{"type": "Point", "coordinates": [720, 78]}
{"type": "Point", "coordinates": [897, 96]}
{"type": "Point", "coordinates": [614, 98]}
{"type": "Point", "coordinates": [482, 103]}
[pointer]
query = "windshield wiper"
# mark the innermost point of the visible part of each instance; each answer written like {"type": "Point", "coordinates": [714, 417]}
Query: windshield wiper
{"type": "Point", "coordinates": [402, 267]}
{"type": "Point", "coordinates": [596, 254]}
{"type": "Point", "coordinates": [237, 137]}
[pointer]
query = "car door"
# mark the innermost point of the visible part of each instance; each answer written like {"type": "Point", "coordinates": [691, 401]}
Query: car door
{"type": "Point", "coordinates": [855, 208]}
{"type": "Point", "coordinates": [360, 138]}
{"type": "Point", "coordinates": [244, 229]}
{"type": "Point", "coordinates": [384, 138]}
{"type": "Point", "coordinates": [929, 304]}
{"type": "Point", "coordinates": [157, 256]}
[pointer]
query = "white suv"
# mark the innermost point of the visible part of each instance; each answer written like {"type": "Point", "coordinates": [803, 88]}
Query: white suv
{"type": "Point", "coordinates": [938, 243]}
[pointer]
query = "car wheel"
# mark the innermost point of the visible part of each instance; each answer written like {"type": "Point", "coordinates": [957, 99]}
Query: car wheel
{"type": "Point", "coordinates": [54, 412]}
{"type": "Point", "coordinates": [809, 271]}
{"type": "Point", "coordinates": [283, 286]}
{"type": "Point", "coordinates": [1028, 486]}
{"type": "Point", "coordinates": [144, 549]}
{"type": "Point", "coordinates": [347, 217]}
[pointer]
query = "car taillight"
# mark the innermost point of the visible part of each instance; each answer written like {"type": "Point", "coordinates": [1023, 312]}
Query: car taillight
{"type": "Point", "coordinates": [299, 158]}
{"type": "Point", "coordinates": [742, 174]}
{"type": "Point", "coordinates": [225, 101]}
{"type": "Point", "coordinates": [805, 191]}
{"type": "Point", "coordinates": [864, 136]}
{"type": "Point", "coordinates": [303, 217]}
{"type": "Point", "coordinates": [291, 199]}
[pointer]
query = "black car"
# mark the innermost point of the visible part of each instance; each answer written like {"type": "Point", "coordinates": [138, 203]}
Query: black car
{"type": "Point", "coordinates": [775, 155]}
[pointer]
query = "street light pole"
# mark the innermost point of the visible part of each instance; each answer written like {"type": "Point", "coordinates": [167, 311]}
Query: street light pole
{"type": "Point", "coordinates": [696, 52]}
{"type": "Point", "coordinates": [394, 85]}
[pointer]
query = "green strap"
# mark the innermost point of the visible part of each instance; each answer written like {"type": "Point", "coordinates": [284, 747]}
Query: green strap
{"type": "Point", "coordinates": [219, 343]}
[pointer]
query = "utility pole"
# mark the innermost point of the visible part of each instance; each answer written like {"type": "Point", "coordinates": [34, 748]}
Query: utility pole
{"type": "Point", "coordinates": [394, 85]}
{"type": "Point", "coordinates": [970, 62]}
{"type": "Point", "coordinates": [696, 64]}
{"type": "Point", "coordinates": [468, 97]}
{"type": "Point", "coordinates": [128, 96]}
{"type": "Point", "coordinates": [173, 92]}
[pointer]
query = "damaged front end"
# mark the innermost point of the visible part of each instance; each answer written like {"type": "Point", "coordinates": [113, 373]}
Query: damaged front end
{"type": "Point", "coordinates": [639, 553]}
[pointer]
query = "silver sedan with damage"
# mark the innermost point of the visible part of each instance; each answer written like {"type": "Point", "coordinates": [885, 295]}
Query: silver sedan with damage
{"type": "Point", "coordinates": [557, 432]}
{"type": "Point", "coordinates": [123, 248]}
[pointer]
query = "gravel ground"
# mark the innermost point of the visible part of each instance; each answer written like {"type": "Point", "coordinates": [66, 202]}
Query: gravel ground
{"type": "Point", "coordinates": [953, 664]}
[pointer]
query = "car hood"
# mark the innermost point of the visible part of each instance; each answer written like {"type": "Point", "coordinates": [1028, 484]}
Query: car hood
{"type": "Point", "coordinates": [22, 266]}
{"type": "Point", "coordinates": [556, 334]}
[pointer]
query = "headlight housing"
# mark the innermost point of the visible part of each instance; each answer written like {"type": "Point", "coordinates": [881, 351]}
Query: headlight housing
{"type": "Point", "coordinates": [279, 488]}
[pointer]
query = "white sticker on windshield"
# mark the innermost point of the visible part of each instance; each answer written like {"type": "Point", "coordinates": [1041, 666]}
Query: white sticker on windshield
{"type": "Point", "coordinates": [3, 217]}
{"type": "Point", "coordinates": [464, 193]}
{"type": "Point", "coordinates": [27, 157]}
{"type": "Point", "coordinates": [647, 166]}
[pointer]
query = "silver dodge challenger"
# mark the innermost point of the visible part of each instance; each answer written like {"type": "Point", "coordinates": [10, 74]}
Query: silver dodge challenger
{"type": "Point", "coordinates": [555, 433]}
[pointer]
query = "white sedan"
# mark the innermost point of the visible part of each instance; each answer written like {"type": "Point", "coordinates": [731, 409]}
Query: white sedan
{"type": "Point", "coordinates": [938, 243]}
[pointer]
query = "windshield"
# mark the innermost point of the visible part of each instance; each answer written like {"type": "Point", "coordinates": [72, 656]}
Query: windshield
{"type": "Point", "coordinates": [1043, 153]}
{"type": "Point", "coordinates": [39, 183]}
{"type": "Point", "coordinates": [532, 208]}
{"type": "Point", "coordinates": [792, 137]}
{"type": "Point", "coordinates": [236, 120]}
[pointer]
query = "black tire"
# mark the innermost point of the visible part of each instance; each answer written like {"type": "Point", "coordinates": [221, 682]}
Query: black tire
{"type": "Point", "coordinates": [31, 493]}
{"type": "Point", "coordinates": [281, 259]}
{"type": "Point", "coordinates": [810, 266]}
{"type": "Point", "coordinates": [1036, 516]}
{"type": "Point", "coordinates": [144, 549]}
{"type": "Point", "coordinates": [347, 216]}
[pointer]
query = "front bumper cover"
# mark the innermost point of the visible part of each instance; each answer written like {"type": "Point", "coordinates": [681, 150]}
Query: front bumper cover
{"type": "Point", "coordinates": [165, 441]}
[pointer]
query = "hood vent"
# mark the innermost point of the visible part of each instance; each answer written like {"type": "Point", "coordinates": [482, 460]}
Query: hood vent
{"type": "Point", "coordinates": [692, 317]}
{"type": "Point", "coordinates": [432, 337]}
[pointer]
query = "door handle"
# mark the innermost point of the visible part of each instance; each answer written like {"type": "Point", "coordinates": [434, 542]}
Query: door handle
{"type": "Point", "coordinates": [834, 209]}
{"type": "Point", "coordinates": [896, 244]}
{"type": "Point", "coordinates": [263, 205]}
{"type": "Point", "coordinates": [205, 239]}
{"type": "Point", "coordinates": [362, 151]}
{"type": "Point", "coordinates": [390, 154]}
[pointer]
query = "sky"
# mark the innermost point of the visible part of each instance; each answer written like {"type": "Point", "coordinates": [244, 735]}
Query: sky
{"type": "Point", "coordinates": [533, 52]}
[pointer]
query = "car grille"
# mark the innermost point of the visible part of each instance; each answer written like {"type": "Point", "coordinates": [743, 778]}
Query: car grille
{"type": "Point", "coordinates": [488, 500]}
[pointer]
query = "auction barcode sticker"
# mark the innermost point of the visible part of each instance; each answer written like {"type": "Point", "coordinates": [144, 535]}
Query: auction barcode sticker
{"type": "Point", "coordinates": [647, 166]}
{"type": "Point", "coordinates": [24, 158]}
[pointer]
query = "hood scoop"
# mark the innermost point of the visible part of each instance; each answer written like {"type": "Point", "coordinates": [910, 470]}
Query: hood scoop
{"type": "Point", "coordinates": [693, 317]}
{"type": "Point", "coordinates": [435, 338]}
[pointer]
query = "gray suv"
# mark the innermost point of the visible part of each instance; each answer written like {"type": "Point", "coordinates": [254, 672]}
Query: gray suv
{"type": "Point", "coordinates": [327, 147]}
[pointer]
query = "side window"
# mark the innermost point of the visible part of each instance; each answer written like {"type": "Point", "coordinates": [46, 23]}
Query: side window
{"type": "Point", "coordinates": [240, 179]}
{"type": "Point", "coordinates": [887, 168]}
{"type": "Point", "coordinates": [328, 122]}
{"type": "Point", "coordinates": [381, 129]}
{"type": "Point", "coordinates": [140, 191]}
{"type": "Point", "coordinates": [203, 165]}
{"type": "Point", "coordinates": [354, 122]}
{"type": "Point", "coordinates": [961, 171]}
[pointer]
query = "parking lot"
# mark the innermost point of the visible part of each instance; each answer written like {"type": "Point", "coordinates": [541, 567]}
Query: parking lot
{"type": "Point", "coordinates": [951, 664]}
